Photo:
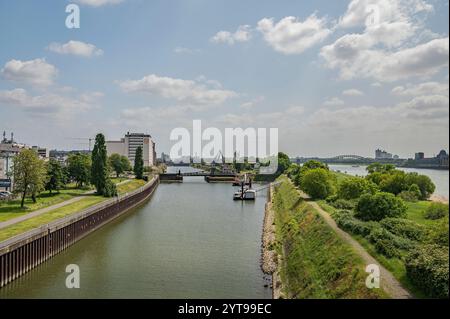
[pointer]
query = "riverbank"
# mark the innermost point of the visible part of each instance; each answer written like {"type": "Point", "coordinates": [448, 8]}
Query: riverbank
{"type": "Point", "coordinates": [269, 256]}
{"type": "Point", "coordinates": [315, 261]}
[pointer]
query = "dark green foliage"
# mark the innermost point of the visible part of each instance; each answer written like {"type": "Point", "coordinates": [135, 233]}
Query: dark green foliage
{"type": "Point", "coordinates": [436, 211]}
{"type": "Point", "coordinates": [343, 204]}
{"type": "Point", "coordinates": [347, 222]}
{"type": "Point", "coordinates": [426, 186]}
{"type": "Point", "coordinates": [380, 168]}
{"type": "Point", "coordinates": [138, 164]}
{"type": "Point", "coordinates": [439, 233]}
{"type": "Point", "coordinates": [55, 176]}
{"type": "Point", "coordinates": [79, 168]}
{"type": "Point", "coordinates": [354, 187]}
{"type": "Point", "coordinates": [99, 170]}
{"type": "Point", "coordinates": [405, 228]}
{"type": "Point", "coordinates": [283, 162]}
{"type": "Point", "coordinates": [119, 163]}
{"type": "Point", "coordinates": [388, 244]}
{"type": "Point", "coordinates": [317, 183]}
{"type": "Point", "coordinates": [427, 267]}
{"type": "Point", "coordinates": [379, 206]}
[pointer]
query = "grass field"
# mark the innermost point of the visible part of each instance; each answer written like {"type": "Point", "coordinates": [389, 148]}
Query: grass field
{"type": "Point", "coordinates": [317, 263]}
{"type": "Point", "coordinates": [72, 208]}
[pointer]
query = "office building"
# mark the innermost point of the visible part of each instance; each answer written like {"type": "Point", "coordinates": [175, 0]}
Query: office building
{"type": "Point", "coordinates": [128, 145]}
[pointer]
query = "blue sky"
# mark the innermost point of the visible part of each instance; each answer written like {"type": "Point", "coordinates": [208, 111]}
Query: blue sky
{"type": "Point", "coordinates": [331, 81]}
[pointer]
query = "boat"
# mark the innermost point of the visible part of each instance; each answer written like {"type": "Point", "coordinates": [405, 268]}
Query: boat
{"type": "Point", "coordinates": [249, 194]}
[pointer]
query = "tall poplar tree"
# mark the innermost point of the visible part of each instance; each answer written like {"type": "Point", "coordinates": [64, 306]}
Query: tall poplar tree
{"type": "Point", "coordinates": [99, 169]}
{"type": "Point", "coordinates": [138, 164]}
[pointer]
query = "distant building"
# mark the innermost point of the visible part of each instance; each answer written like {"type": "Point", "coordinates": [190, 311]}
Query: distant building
{"type": "Point", "coordinates": [440, 161]}
{"type": "Point", "coordinates": [381, 154]}
{"type": "Point", "coordinates": [42, 152]}
{"type": "Point", "coordinates": [419, 156]}
{"type": "Point", "coordinates": [8, 150]}
{"type": "Point", "coordinates": [128, 145]}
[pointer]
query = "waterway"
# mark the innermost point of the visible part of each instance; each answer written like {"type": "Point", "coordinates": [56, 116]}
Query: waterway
{"type": "Point", "coordinates": [190, 240]}
{"type": "Point", "coordinates": [439, 177]}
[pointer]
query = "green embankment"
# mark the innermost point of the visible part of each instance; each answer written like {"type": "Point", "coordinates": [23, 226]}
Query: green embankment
{"type": "Point", "coordinates": [316, 262]}
{"type": "Point", "coordinates": [69, 209]}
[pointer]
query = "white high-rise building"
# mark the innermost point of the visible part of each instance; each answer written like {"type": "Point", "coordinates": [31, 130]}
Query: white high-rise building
{"type": "Point", "coordinates": [128, 145]}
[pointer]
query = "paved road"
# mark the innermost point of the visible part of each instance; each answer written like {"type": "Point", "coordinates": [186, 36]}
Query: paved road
{"type": "Point", "coordinates": [387, 281]}
{"type": "Point", "coordinates": [47, 209]}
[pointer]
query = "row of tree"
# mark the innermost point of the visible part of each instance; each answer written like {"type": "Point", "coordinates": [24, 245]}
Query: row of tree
{"type": "Point", "coordinates": [32, 175]}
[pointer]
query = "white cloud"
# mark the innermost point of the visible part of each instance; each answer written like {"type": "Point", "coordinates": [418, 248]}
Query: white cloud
{"type": "Point", "coordinates": [49, 103]}
{"type": "Point", "coordinates": [352, 92]}
{"type": "Point", "coordinates": [35, 72]}
{"type": "Point", "coordinates": [427, 88]}
{"type": "Point", "coordinates": [242, 34]}
{"type": "Point", "coordinates": [353, 57]}
{"type": "Point", "coordinates": [292, 36]}
{"type": "Point", "coordinates": [178, 89]}
{"type": "Point", "coordinates": [335, 101]}
{"type": "Point", "coordinates": [75, 48]}
{"type": "Point", "coordinates": [98, 3]}
{"type": "Point", "coordinates": [253, 102]}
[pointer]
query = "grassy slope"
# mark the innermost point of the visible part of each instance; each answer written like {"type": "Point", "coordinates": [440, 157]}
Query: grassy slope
{"type": "Point", "coordinates": [45, 218]}
{"type": "Point", "coordinates": [395, 265]}
{"type": "Point", "coordinates": [317, 263]}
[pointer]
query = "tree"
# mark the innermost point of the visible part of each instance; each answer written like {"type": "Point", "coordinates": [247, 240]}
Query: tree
{"type": "Point", "coordinates": [119, 163]}
{"type": "Point", "coordinates": [317, 183]}
{"type": "Point", "coordinates": [99, 168]}
{"type": "Point", "coordinates": [380, 168]}
{"type": "Point", "coordinates": [378, 206]}
{"type": "Point", "coordinates": [283, 162]}
{"type": "Point", "coordinates": [138, 164]}
{"type": "Point", "coordinates": [79, 168]}
{"type": "Point", "coordinates": [354, 187]}
{"type": "Point", "coordinates": [426, 186]}
{"type": "Point", "coordinates": [29, 174]}
{"type": "Point", "coordinates": [394, 182]}
{"type": "Point", "coordinates": [55, 176]}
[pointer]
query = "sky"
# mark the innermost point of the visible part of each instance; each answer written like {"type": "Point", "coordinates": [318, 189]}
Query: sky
{"type": "Point", "coordinates": [335, 77]}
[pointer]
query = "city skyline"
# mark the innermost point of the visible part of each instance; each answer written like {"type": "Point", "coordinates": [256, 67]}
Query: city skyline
{"type": "Point", "coordinates": [330, 82]}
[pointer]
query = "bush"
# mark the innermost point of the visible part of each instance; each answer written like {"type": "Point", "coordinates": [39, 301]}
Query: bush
{"type": "Point", "coordinates": [379, 206]}
{"type": "Point", "coordinates": [427, 267]}
{"type": "Point", "coordinates": [408, 196]}
{"type": "Point", "coordinates": [404, 228]}
{"type": "Point", "coordinates": [317, 183]}
{"type": "Point", "coordinates": [426, 186]}
{"type": "Point", "coordinates": [354, 187]}
{"type": "Point", "coordinates": [343, 204]}
{"type": "Point", "coordinates": [436, 211]}
{"type": "Point", "coordinates": [439, 233]}
{"type": "Point", "coordinates": [389, 244]}
{"type": "Point", "coordinates": [347, 222]}
{"type": "Point", "coordinates": [110, 189]}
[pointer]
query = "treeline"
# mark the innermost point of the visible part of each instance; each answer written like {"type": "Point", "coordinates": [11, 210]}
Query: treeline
{"type": "Point", "coordinates": [33, 175]}
{"type": "Point", "coordinates": [374, 207]}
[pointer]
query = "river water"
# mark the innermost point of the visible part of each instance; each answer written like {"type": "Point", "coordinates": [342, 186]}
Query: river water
{"type": "Point", "coordinates": [439, 177]}
{"type": "Point", "coordinates": [190, 240]}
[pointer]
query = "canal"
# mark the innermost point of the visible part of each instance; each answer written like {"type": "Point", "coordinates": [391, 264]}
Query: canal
{"type": "Point", "coordinates": [190, 240]}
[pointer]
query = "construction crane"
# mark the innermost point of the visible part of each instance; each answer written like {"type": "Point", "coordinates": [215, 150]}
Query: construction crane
{"type": "Point", "coordinates": [89, 139]}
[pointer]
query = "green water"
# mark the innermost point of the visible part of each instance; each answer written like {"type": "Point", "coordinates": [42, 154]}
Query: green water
{"type": "Point", "coordinates": [190, 240]}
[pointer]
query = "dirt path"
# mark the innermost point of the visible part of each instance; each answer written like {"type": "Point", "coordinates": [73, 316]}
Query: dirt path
{"type": "Point", "coordinates": [387, 281]}
{"type": "Point", "coordinates": [47, 209]}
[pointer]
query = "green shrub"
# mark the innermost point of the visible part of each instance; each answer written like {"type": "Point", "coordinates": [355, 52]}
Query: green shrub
{"type": "Point", "coordinates": [379, 206]}
{"type": "Point", "coordinates": [110, 189]}
{"type": "Point", "coordinates": [345, 220]}
{"type": "Point", "coordinates": [404, 228]}
{"type": "Point", "coordinates": [317, 183]}
{"type": "Point", "coordinates": [343, 204]}
{"type": "Point", "coordinates": [436, 211]}
{"type": "Point", "coordinates": [408, 196]}
{"type": "Point", "coordinates": [389, 244]}
{"type": "Point", "coordinates": [354, 187]}
{"type": "Point", "coordinates": [439, 233]}
{"type": "Point", "coordinates": [427, 267]}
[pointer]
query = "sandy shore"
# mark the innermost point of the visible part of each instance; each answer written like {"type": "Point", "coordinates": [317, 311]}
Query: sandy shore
{"type": "Point", "coordinates": [439, 199]}
{"type": "Point", "coordinates": [269, 257]}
